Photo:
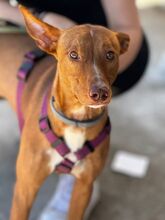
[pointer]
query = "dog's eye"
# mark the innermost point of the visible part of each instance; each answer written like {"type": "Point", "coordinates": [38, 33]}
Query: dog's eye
{"type": "Point", "coordinates": [74, 55]}
{"type": "Point", "coordinates": [110, 55]}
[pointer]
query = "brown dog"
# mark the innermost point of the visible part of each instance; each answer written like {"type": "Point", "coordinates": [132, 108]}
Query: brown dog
{"type": "Point", "coordinates": [87, 63]}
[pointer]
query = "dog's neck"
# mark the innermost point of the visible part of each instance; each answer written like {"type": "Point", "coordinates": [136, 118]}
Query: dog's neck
{"type": "Point", "coordinates": [68, 103]}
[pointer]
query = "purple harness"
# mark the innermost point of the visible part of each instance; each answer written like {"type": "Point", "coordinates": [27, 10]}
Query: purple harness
{"type": "Point", "coordinates": [56, 142]}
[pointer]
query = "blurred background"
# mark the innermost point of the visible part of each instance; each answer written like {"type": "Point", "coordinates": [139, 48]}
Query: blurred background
{"type": "Point", "coordinates": [138, 122]}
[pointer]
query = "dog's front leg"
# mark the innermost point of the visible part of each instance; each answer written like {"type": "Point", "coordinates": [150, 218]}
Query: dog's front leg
{"type": "Point", "coordinates": [86, 175]}
{"type": "Point", "coordinates": [22, 200]}
{"type": "Point", "coordinates": [32, 170]}
{"type": "Point", "coordinates": [80, 198]}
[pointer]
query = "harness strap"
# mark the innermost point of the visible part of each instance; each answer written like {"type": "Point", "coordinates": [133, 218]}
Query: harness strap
{"type": "Point", "coordinates": [45, 127]}
{"type": "Point", "coordinates": [23, 73]}
{"type": "Point", "coordinates": [65, 166]}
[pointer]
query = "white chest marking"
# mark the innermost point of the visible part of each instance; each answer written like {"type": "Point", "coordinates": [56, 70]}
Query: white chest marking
{"type": "Point", "coordinates": [74, 138]}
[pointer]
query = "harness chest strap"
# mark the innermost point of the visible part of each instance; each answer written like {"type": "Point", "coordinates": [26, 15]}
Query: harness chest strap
{"type": "Point", "coordinates": [57, 143]}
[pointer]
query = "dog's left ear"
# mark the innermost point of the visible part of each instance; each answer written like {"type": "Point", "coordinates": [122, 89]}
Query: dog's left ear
{"type": "Point", "coordinates": [45, 35]}
{"type": "Point", "coordinates": [124, 41]}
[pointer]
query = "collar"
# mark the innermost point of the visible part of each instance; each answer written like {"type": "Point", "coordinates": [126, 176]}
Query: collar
{"type": "Point", "coordinates": [74, 122]}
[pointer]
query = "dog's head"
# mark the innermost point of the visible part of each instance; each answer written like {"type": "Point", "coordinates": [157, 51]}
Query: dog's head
{"type": "Point", "coordinates": [87, 55]}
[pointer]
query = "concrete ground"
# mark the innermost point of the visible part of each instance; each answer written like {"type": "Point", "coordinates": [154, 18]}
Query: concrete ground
{"type": "Point", "coordinates": [138, 121]}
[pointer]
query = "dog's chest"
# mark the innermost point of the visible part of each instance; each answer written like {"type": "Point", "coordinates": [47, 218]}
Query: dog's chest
{"type": "Point", "coordinates": [75, 139]}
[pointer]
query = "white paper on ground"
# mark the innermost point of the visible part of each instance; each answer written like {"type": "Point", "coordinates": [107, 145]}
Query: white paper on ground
{"type": "Point", "coordinates": [130, 164]}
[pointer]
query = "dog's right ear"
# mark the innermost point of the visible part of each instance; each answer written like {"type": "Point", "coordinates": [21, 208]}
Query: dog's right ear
{"type": "Point", "coordinates": [124, 41]}
{"type": "Point", "coordinates": [45, 35]}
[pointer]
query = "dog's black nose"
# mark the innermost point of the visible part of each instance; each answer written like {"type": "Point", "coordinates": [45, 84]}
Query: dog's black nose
{"type": "Point", "coordinates": [99, 94]}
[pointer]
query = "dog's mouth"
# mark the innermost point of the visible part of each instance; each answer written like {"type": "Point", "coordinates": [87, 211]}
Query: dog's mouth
{"type": "Point", "coordinates": [97, 106]}
{"type": "Point", "coordinates": [94, 105]}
